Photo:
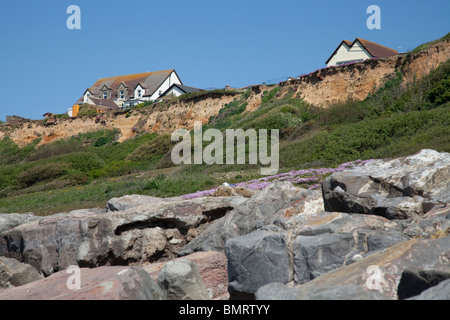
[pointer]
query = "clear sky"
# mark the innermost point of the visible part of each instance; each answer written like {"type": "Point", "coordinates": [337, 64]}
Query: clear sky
{"type": "Point", "coordinates": [45, 67]}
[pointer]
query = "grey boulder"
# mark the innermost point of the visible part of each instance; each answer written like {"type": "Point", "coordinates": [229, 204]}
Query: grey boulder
{"type": "Point", "coordinates": [181, 280]}
{"type": "Point", "coordinates": [396, 189]}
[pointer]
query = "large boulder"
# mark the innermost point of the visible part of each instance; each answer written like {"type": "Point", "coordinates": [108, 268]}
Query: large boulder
{"type": "Point", "coordinates": [133, 201]}
{"type": "Point", "coordinates": [311, 247]}
{"type": "Point", "coordinates": [396, 189]}
{"type": "Point", "coordinates": [9, 221]}
{"type": "Point", "coordinates": [104, 283]}
{"type": "Point", "coordinates": [21, 273]}
{"type": "Point", "coordinates": [262, 209]}
{"type": "Point", "coordinates": [254, 260]}
{"type": "Point", "coordinates": [438, 292]}
{"type": "Point", "coordinates": [92, 238]}
{"type": "Point", "coordinates": [213, 269]}
{"type": "Point", "coordinates": [382, 270]}
{"type": "Point", "coordinates": [181, 280]}
{"type": "Point", "coordinates": [416, 280]}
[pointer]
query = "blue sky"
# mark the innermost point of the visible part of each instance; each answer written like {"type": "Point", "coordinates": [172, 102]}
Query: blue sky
{"type": "Point", "coordinates": [45, 67]}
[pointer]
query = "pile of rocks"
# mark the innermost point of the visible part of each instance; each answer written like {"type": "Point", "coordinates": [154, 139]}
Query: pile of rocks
{"type": "Point", "coordinates": [380, 231]}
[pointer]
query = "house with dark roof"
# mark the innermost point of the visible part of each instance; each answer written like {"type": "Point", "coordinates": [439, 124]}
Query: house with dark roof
{"type": "Point", "coordinates": [177, 90]}
{"type": "Point", "coordinates": [357, 51]}
{"type": "Point", "coordinates": [120, 92]}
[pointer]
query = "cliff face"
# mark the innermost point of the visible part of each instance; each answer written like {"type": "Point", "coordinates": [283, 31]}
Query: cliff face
{"type": "Point", "coordinates": [163, 118]}
{"type": "Point", "coordinates": [339, 84]}
{"type": "Point", "coordinates": [323, 87]}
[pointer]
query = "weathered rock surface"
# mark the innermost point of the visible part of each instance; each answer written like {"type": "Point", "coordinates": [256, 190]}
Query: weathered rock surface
{"type": "Point", "coordinates": [133, 201]}
{"type": "Point", "coordinates": [88, 238]}
{"type": "Point", "coordinates": [309, 246]}
{"type": "Point", "coordinates": [9, 221]}
{"type": "Point", "coordinates": [416, 280]}
{"type": "Point", "coordinates": [439, 292]}
{"type": "Point", "coordinates": [21, 273]}
{"type": "Point", "coordinates": [382, 270]}
{"type": "Point", "coordinates": [315, 246]}
{"type": "Point", "coordinates": [396, 189]}
{"type": "Point", "coordinates": [262, 209]}
{"type": "Point", "coordinates": [279, 291]}
{"type": "Point", "coordinates": [213, 269]}
{"type": "Point", "coordinates": [103, 283]}
{"type": "Point", "coordinates": [254, 260]}
{"type": "Point", "coordinates": [181, 280]}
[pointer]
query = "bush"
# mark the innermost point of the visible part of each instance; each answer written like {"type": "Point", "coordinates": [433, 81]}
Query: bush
{"type": "Point", "coordinates": [42, 172]}
{"type": "Point", "coordinates": [87, 110]}
{"type": "Point", "coordinates": [156, 147]}
{"type": "Point", "coordinates": [82, 161]}
{"type": "Point", "coordinates": [155, 183]}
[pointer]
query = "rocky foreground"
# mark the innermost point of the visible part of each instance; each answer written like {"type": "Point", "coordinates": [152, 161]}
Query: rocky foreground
{"type": "Point", "coordinates": [379, 231]}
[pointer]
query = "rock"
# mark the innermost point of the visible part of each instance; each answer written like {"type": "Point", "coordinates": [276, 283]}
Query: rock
{"type": "Point", "coordinates": [257, 211]}
{"type": "Point", "coordinates": [90, 239]}
{"type": "Point", "coordinates": [9, 221]}
{"type": "Point", "coordinates": [181, 280]}
{"type": "Point", "coordinates": [279, 291]}
{"type": "Point", "coordinates": [439, 292]}
{"type": "Point", "coordinates": [416, 280]}
{"type": "Point", "coordinates": [104, 283]}
{"type": "Point", "coordinates": [396, 189]}
{"type": "Point", "coordinates": [213, 269]}
{"type": "Point", "coordinates": [5, 276]}
{"type": "Point", "coordinates": [313, 246]}
{"type": "Point", "coordinates": [254, 260]}
{"type": "Point", "coordinates": [434, 224]}
{"type": "Point", "coordinates": [331, 240]}
{"type": "Point", "coordinates": [227, 191]}
{"type": "Point", "coordinates": [382, 270]}
{"type": "Point", "coordinates": [133, 201]}
{"type": "Point", "coordinates": [21, 273]}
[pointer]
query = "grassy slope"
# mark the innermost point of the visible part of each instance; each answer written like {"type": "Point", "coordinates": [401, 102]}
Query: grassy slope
{"type": "Point", "coordinates": [87, 170]}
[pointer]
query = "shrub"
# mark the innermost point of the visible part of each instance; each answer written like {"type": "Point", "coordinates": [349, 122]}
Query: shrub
{"type": "Point", "coordinates": [158, 146]}
{"type": "Point", "coordinates": [82, 161]}
{"type": "Point", "coordinates": [42, 172]}
{"type": "Point", "coordinates": [440, 94]}
{"type": "Point", "coordinates": [87, 110]}
{"type": "Point", "coordinates": [154, 184]}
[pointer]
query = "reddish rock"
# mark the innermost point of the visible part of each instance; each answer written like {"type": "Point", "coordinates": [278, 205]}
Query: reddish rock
{"type": "Point", "coordinates": [213, 268]}
{"type": "Point", "coordinates": [104, 283]}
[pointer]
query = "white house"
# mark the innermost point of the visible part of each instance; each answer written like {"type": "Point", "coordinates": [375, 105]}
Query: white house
{"type": "Point", "coordinates": [357, 51]}
{"type": "Point", "coordinates": [129, 90]}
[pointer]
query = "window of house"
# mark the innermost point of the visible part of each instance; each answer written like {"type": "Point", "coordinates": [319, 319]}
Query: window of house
{"type": "Point", "coordinates": [139, 93]}
{"type": "Point", "coordinates": [105, 95]}
{"type": "Point", "coordinates": [121, 94]}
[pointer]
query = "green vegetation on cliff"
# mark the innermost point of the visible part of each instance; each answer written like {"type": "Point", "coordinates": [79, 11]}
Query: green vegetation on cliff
{"type": "Point", "coordinates": [89, 169]}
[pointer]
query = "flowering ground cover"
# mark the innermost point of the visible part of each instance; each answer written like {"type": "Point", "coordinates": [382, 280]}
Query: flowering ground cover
{"type": "Point", "coordinates": [305, 178]}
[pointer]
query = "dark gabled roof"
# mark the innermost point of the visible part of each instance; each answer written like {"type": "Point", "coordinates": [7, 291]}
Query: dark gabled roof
{"type": "Point", "coordinates": [185, 89]}
{"type": "Point", "coordinates": [104, 103]}
{"type": "Point", "coordinates": [375, 49]}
